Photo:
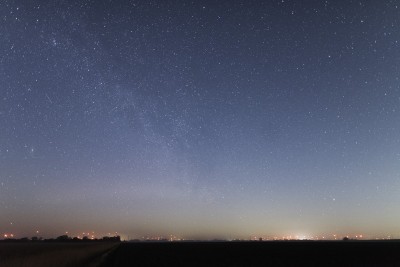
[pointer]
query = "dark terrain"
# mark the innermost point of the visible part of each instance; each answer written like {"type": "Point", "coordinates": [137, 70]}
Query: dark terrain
{"type": "Point", "coordinates": [269, 253]}
{"type": "Point", "coordinates": [274, 253]}
{"type": "Point", "coordinates": [60, 254]}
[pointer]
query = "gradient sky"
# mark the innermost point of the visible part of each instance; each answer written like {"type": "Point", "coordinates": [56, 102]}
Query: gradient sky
{"type": "Point", "coordinates": [200, 118]}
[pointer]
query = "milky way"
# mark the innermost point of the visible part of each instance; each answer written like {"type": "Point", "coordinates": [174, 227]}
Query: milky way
{"type": "Point", "coordinates": [200, 119]}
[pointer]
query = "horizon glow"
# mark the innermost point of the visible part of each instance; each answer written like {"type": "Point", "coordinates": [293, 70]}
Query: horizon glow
{"type": "Point", "coordinates": [200, 120]}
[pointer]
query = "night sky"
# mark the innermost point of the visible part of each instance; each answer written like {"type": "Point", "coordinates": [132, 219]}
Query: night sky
{"type": "Point", "coordinates": [200, 119]}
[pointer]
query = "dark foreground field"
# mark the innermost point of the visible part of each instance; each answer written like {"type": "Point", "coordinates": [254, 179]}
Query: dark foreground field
{"type": "Point", "coordinates": [296, 253]}
{"type": "Point", "coordinates": [360, 253]}
{"type": "Point", "coordinates": [42, 254]}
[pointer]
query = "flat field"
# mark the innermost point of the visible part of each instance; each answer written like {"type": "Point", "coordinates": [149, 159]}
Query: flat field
{"type": "Point", "coordinates": [43, 254]}
{"type": "Point", "coordinates": [274, 253]}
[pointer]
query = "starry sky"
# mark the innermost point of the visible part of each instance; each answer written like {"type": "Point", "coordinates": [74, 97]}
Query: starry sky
{"type": "Point", "coordinates": [201, 119]}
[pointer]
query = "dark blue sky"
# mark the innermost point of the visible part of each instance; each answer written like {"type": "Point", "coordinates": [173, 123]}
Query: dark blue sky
{"type": "Point", "coordinates": [200, 118]}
